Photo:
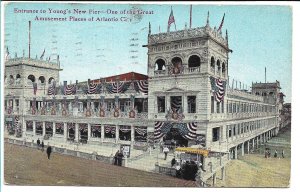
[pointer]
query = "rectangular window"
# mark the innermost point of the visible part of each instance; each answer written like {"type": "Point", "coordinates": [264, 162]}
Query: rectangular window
{"type": "Point", "coordinates": [161, 104]}
{"type": "Point", "coordinates": [212, 106]}
{"type": "Point", "coordinates": [216, 134]}
{"type": "Point", "coordinates": [176, 103]}
{"type": "Point", "coordinates": [229, 132]}
{"type": "Point", "coordinates": [191, 104]}
{"type": "Point", "coordinates": [222, 106]}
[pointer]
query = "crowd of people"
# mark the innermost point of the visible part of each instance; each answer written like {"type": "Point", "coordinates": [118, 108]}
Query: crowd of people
{"type": "Point", "coordinates": [268, 153]}
{"type": "Point", "coordinates": [185, 169]}
{"type": "Point", "coordinates": [41, 146]}
{"type": "Point", "coordinates": [118, 158]}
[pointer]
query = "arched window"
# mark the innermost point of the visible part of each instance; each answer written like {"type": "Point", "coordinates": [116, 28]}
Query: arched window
{"type": "Point", "coordinates": [223, 69]}
{"type": "Point", "coordinates": [264, 94]}
{"type": "Point", "coordinates": [11, 79]}
{"type": "Point", "coordinates": [176, 61]}
{"type": "Point", "coordinates": [42, 79]}
{"type": "Point", "coordinates": [160, 64]}
{"type": "Point", "coordinates": [50, 80]}
{"type": "Point", "coordinates": [212, 64]}
{"type": "Point", "coordinates": [218, 66]}
{"type": "Point", "coordinates": [177, 65]}
{"type": "Point", "coordinates": [257, 93]}
{"type": "Point", "coordinates": [194, 61]}
{"type": "Point", "coordinates": [31, 78]}
{"type": "Point", "coordinates": [18, 76]}
{"type": "Point", "coordinates": [271, 93]}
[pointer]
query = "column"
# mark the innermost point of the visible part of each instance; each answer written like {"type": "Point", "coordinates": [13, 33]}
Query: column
{"type": "Point", "coordinates": [223, 173]}
{"type": "Point", "coordinates": [248, 147]}
{"type": "Point", "coordinates": [204, 163]}
{"type": "Point", "coordinates": [253, 144]}
{"type": "Point", "coordinates": [235, 152]}
{"type": "Point", "coordinates": [54, 128]}
{"type": "Point", "coordinates": [44, 129]}
{"type": "Point", "coordinates": [257, 142]}
{"type": "Point", "coordinates": [102, 133]}
{"type": "Point", "coordinates": [65, 132]}
{"type": "Point", "coordinates": [243, 149]}
{"type": "Point", "coordinates": [89, 131]}
{"type": "Point", "coordinates": [185, 104]}
{"type": "Point", "coordinates": [167, 102]}
{"type": "Point", "coordinates": [132, 134]}
{"type": "Point", "coordinates": [14, 104]}
{"type": "Point", "coordinates": [214, 179]}
{"type": "Point", "coordinates": [33, 127]}
{"type": "Point", "coordinates": [76, 132]}
{"type": "Point", "coordinates": [117, 133]}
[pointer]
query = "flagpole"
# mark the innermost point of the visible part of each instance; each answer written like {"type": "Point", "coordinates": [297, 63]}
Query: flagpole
{"type": "Point", "coordinates": [29, 39]}
{"type": "Point", "coordinates": [191, 9]}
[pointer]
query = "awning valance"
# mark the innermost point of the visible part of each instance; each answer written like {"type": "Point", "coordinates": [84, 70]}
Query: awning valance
{"type": "Point", "coordinates": [193, 150]}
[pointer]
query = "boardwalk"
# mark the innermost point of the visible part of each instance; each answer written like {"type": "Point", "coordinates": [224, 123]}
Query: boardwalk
{"type": "Point", "coordinates": [27, 166]}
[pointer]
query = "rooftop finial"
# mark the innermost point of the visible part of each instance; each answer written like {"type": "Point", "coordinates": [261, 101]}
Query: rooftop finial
{"type": "Point", "coordinates": [185, 26]}
{"type": "Point", "coordinates": [207, 20]}
{"type": "Point", "coordinates": [226, 37]}
{"type": "Point", "coordinates": [149, 28]}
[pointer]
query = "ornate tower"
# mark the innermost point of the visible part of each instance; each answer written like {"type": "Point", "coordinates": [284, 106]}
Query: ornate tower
{"type": "Point", "coordinates": [180, 67]}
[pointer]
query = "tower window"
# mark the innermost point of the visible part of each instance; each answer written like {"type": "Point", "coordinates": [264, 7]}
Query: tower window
{"type": "Point", "coordinates": [216, 134]}
{"type": "Point", "coordinates": [161, 104]}
{"type": "Point", "coordinates": [191, 104]}
{"type": "Point", "coordinates": [160, 64]}
{"type": "Point", "coordinates": [194, 61]}
{"type": "Point", "coordinates": [31, 78]}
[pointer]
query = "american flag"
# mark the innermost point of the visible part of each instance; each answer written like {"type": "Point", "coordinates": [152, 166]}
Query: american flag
{"type": "Point", "coordinates": [218, 87]}
{"type": "Point", "coordinates": [171, 19]}
{"type": "Point", "coordinates": [34, 88]}
{"type": "Point", "coordinates": [221, 25]}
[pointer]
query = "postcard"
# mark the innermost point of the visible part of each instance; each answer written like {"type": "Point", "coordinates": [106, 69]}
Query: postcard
{"type": "Point", "coordinates": [146, 95]}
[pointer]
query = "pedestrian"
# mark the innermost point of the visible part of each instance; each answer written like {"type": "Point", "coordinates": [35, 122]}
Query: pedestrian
{"type": "Point", "coordinates": [116, 158]}
{"type": "Point", "coordinates": [282, 153]}
{"type": "Point", "coordinates": [42, 145]}
{"type": "Point", "coordinates": [49, 150]}
{"type": "Point", "coordinates": [275, 154]}
{"type": "Point", "coordinates": [38, 142]}
{"type": "Point", "coordinates": [166, 151]}
{"type": "Point", "coordinates": [120, 158]}
{"type": "Point", "coordinates": [173, 162]}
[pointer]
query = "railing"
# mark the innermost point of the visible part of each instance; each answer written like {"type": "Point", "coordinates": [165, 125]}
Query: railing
{"type": "Point", "coordinates": [94, 113]}
{"type": "Point", "coordinates": [192, 70]}
{"type": "Point", "coordinates": [240, 115]}
{"type": "Point", "coordinates": [160, 72]}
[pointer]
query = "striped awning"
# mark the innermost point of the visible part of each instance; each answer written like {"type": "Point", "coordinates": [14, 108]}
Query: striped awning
{"type": "Point", "coordinates": [193, 150]}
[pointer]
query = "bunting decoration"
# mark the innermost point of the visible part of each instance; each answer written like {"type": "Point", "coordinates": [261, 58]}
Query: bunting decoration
{"type": "Point", "coordinates": [49, 125]}
{"type": "Point", "coordinates": [52, 88]}
{"type": "Point", "coordinates": [141, 86]}
{"type": "Point", "coordinates": [33, 106]}
{"type": "Point", "coordinates": [96, 127]}
{"type": "Point", "coordinates": [218, 87]}
{"type": "Point", "coordinates": [117, 87]}
{"type": "Point", "coordinates": [141, 130]}
{"type": "Point", "coordinates": [59, 126]}
{"type": "Point", "coordinates": [34, 87]}
{"type": "Point", "coordinates": [71, 126]}
{"type": "Point", "coordinates": [109, 129]}
{"type": "Point", "coordinates": [43, 110]}
{"type": "Point", "coordinates": [186, 130]}
{"type": "Point", "coordinates": [70, 89]}
{"type": "Point", "coordinates": [93, 88]}
{"type": "Point", "coordinates": [83, 127]}
{"type": "Point", "coordinates": [125, 129]}
{"type": "Point", "coordinates": [17, 123]}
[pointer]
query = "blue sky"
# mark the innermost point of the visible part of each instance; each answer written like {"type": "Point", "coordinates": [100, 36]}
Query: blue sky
{"type": "Point", "coordinates": [260, 36]}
